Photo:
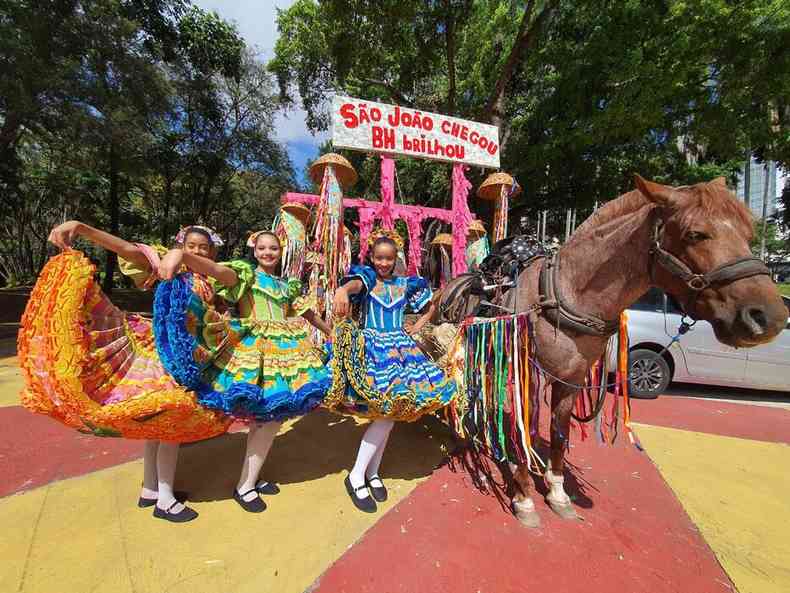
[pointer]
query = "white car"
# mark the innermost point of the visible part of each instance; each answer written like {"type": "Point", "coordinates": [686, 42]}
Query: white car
{"type": "Point", "coordinates": [697, 357]}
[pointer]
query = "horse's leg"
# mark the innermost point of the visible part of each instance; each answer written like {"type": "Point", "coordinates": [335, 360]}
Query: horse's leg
{"type": "Point", "coordinates": [562, 399]}
{"type": "Point", "coordinates": [523, 505]}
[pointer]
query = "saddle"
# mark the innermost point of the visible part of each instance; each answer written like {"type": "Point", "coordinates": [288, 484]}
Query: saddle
{"type": "Point", "coordinates": [481, 293]}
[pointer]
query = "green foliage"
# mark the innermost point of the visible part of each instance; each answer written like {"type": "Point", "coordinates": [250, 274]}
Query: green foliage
{"type": "Point", "coordinates": [137, 116]}
{"type": "Point", "coordinates": [597, 91]}
{"type": "Point", "coordinates": [775, 243]}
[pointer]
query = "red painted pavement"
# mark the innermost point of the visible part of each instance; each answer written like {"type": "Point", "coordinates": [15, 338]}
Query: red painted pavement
{"type": "Point", "coordinates": [635, 536]}
{"type": "Point", "coordinates": [36, 450]}
{"type": "Point", "coordinates": [760, 423]}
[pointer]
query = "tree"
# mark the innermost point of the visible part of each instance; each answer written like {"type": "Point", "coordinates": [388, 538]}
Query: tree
{"type": "Point", "coordinates": [133, 115]}
{"type": "Point", "coordinates": [585, 94]}
{"type": "Point", "coordinates": [218, 145]}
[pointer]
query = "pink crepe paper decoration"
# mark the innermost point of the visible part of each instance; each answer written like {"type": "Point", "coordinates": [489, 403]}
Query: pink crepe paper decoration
{"type": "Point", "coordinates": [387, 193]}
{"type": "Point", "coordinates": [462, 217]}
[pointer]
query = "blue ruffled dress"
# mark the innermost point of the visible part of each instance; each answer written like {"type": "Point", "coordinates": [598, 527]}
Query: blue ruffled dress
{"type": "Point", "coordinates": [379, 371]}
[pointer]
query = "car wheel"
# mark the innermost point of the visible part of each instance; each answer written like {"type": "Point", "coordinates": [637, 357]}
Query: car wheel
{"type": "Point", "coordinates": [648, 374]}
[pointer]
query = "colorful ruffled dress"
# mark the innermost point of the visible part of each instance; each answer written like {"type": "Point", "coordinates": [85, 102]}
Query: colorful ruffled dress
{"type": "Point", "coordinates": [258, 366]}
{"type": "Point", "coordinates": [379, 371]}
{"type": "Point", "coordinates": [95, 368]}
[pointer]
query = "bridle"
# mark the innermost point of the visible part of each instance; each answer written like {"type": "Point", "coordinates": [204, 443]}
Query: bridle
{"type": "Point", "coordinates": [737, 269]}
{"type": "Point", "coordinates": [556, 309]}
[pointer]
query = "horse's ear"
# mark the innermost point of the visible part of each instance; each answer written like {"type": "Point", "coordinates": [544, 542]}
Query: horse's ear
{"type": "Point", "coordinates": [663, 195]}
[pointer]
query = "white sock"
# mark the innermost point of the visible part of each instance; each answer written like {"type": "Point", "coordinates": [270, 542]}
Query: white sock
{"type": "Point", "coordinates": [166, 461]}
{"type": "Point", "coordinates": [373, 467]}
{"type": "Point", "coordinates": [374, 439]}
{"type": "Point", "coordinates": [259, 442]}
{"type": "Point", "coordinates": [150, 486]}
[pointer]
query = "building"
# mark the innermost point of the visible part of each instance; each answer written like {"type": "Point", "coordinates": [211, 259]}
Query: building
{"type": "Point", "coordinates": [757, 188]}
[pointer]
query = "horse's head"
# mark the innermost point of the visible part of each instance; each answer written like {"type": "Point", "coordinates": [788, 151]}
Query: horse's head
{"type": "Point", "coordinates": [701, 256]}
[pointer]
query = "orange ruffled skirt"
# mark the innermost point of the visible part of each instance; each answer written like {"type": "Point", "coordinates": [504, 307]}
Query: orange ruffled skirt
{"type": "Point", "coordinates": [95, 368]}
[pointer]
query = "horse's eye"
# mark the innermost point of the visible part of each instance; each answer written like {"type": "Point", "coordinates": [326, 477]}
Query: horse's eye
{"type": "Point", "coordinates": [695, 236]}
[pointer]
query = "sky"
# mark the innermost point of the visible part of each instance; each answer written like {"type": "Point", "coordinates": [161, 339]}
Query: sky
{"type": "Point", "coordinates": [256, 22]}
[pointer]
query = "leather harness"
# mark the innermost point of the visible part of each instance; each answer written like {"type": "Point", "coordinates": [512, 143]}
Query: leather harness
{"type": "Point", "coordinates": [557, 310]}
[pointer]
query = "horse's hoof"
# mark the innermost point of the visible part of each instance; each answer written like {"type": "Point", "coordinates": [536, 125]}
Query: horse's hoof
{"type": "Point", "coordinates": [564, 509]}
{"type": "Point", "coordinates": [526, 514]}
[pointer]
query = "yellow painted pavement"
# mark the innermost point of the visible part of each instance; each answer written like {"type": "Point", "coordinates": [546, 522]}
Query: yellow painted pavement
{"type": "Point", "coordinates": [86, 534]}
{"type": "Point", "coordinates": [737, 491]}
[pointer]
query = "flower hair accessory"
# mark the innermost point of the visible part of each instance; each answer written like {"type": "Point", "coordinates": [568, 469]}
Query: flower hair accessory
{"type": "Point", "coordinates": [216, 240]}
{"type": "Point", "coordinates": [254, 237]}
{"type": "Point", "coordinates": [388, 234]}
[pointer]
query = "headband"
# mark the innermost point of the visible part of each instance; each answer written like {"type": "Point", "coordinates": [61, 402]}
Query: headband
{"type": "Point", "coordinates": [254, 237]}
{"type": "Point", "coordinates": [383, 233]}
{"type": "Point", "coordinates": [216, 240]}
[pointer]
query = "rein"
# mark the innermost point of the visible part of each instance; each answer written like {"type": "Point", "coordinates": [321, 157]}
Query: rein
{"type": "Point", "coordinates": [557, 310]}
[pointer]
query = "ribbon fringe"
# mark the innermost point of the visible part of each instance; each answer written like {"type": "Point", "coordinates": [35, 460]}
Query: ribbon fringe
{"type": "Point", "coordinates": [500, 383]}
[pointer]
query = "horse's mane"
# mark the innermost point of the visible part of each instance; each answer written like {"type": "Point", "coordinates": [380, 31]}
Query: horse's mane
{"type": "Point", "coordinates": [701, 201]}
{"type": "Point", "coordinates": [625, 204]}
{"type": "Point", "coordinates": [714, 201]}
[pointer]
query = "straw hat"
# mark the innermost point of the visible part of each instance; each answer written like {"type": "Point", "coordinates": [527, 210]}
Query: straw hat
{"type": "Point", "coordinates": [443, 239]}
{"type": "Point", "coordinates": [298, 210]}
{"type": "Point", "coordinates": [476, 230]}
{"type": "Point", "coordinates": [346, 174]}
{"type": "Point", "coordinates": [491, 188]}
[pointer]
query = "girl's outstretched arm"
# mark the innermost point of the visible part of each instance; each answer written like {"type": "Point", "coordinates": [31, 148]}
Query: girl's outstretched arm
{"type": "Point", "coordinates": [171, 263]}
{"type": "Point", "coordinates": [64, 234]}
{"type": "Point", "coordinates": [316, 321]}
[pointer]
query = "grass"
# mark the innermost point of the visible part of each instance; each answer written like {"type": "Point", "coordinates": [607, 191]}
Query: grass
{"type": "Point", "coordinates": [784, 289]}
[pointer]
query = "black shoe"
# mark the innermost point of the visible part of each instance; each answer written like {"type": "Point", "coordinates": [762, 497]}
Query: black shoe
{"type": "Point", "coordinates": [269, 488]}
{"type": "Point", "coordinates": [256, 505]}
{"type": "Point", "coordinates": [366, 505]}
{"type": "Point", "coordinates": [379, 493]}
{"type": "Point", "coordinates": [144, 503]}
{"type": "Point", "coordinates": [184, 515]}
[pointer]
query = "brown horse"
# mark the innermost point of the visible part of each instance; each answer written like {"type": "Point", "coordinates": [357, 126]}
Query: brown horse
{"type": "Point", "coordinates": [692, 241]}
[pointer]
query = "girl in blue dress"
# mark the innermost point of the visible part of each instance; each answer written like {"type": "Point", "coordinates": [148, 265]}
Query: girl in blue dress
{"type": "Point", "coordinates": [378, 371]}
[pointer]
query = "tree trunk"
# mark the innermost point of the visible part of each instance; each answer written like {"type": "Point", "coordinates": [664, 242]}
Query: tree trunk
{"type": "Point", "coordinates": [115, 219]}
{"type": "Point", "coordinates": [528, 32]}
{"type": "Point", "coordinates": [166, 214]}
{"type": "Point", "coordinates": [766, 187]}
{"type": "Point", "coordinates": [450, 39]}
{"type": "Point", "coordinates": [747, 179]}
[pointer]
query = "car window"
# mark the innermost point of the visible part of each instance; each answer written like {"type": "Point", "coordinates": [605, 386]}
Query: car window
{"type": "Point", "coordinates": [652, 300]}
{"type": "Point", "coordinates": [787, 304]}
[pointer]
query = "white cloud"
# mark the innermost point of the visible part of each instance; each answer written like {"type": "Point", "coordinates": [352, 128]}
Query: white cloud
{"type": "Point", "coordinates": [256, 20]}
